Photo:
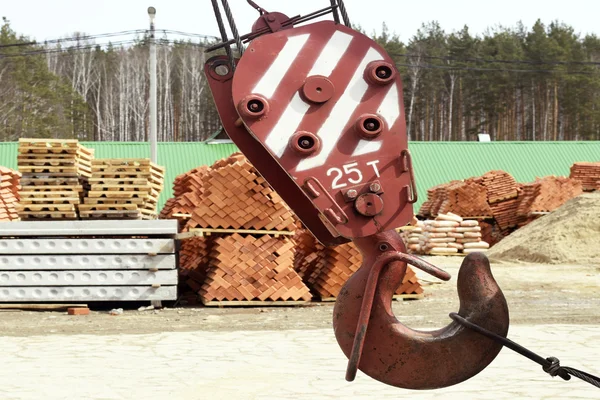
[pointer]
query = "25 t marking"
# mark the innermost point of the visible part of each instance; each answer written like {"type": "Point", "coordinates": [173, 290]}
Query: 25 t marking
{"type": "Point", "coordinates": [350, 173]}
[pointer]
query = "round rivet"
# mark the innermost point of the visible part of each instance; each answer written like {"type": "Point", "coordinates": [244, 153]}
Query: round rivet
{"type": "Point", "coordinates": [304, 143]}
{"type": "Point", "coordinates": [253, 106]}
{"type": "Point", "coordinates": [380, 73]}
{"type": "Point", "coordinates": [317, 89]}
{"type": "Point", "coordinates": [369, 126]}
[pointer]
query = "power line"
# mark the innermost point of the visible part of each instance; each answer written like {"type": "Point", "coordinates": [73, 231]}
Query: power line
{"type": "Point", "coordinates": [54, 50]}
{"type": "Point", "coordinates": [74, 38]}
{"type": "Point", "coordinates": [476, 69]}
{"type": "Point", "coordinates": [495, 61]}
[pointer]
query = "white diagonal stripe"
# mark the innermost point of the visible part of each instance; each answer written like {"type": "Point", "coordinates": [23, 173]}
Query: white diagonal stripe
{"type": "Point", "coordinates": [280, 66]}
{"type": "Point", "coordinates": [390, 111]}
{"type": "Point", "coordinates": [334, 125]}
{"type": "Point", "coordinates": [292, 116]}
{"type": "Point", "coordinates": [286, 126]}
{"type": "Point", "coordinates": [331, 54]}
{"type": "Point", "coordinates": [366, 147]}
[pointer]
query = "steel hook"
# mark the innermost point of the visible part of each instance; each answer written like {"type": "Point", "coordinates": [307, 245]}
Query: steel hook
{"type": "Point", "coordinates": [383, 348]}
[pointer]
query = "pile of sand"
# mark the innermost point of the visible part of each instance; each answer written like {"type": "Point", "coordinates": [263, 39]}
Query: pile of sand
{"type": "Point", "coordinates": [568, 235]}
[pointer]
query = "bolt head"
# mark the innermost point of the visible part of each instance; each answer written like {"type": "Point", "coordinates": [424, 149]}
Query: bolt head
{"type": "Point", "coordinates": [351, 194]}
{"type": "Point", "coordinates": [375, 187]}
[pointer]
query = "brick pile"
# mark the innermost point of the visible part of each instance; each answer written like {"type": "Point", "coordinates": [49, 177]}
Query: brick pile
{"type": "Point", "coordinates": [235, 196]}
{"type": "Point", "coordinates": [447, 234]}
{"type": "Point", "coordinates": [55, 175]}
{"type": "Point", "coordinates": [248, 264]}
{"type": "Point", "coordinates": [9, 194]}
{"type": "Point", "coordinates": [326, 270]}
{"type": "Point", "coordinates": [505, 204]}
{"type": "Point", "coordinates": [187, 191]}
{"type": "Point", "coordinates": [588, 173]}
{"type": "Point", "coordinates": [244, 268]}
{"type": "Point", "coordinates": [467, 198]}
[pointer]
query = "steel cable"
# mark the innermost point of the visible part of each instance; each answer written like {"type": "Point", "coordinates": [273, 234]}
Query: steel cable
{"type": "Point", "coordinates": [550, 365]}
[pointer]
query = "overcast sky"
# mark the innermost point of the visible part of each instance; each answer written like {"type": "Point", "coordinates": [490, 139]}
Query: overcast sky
{"type": "Point", "coordinates": [44, 19]}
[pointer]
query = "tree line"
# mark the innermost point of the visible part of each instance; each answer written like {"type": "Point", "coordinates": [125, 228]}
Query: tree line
{"type": "Point", "coordinates": [514, 83]}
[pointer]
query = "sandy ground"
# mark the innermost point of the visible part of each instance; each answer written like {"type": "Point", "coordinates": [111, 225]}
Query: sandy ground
{"type": "Point", "coordinates": [291, 352]}
{"type": "Point", "coordinates": [536, 294]}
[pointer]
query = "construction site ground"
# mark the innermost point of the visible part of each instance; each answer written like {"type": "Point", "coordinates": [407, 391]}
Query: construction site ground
{"type": "Point", "coordinates": [290, 352]}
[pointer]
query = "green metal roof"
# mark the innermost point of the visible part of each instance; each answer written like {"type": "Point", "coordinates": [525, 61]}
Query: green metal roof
{"type": "Point", "coordinates": [434, 162]}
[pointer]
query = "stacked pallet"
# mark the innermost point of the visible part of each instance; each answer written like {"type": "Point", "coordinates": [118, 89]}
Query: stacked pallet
{"type": "Point", "coordinates": [588, 173]}
{"type": "Point", "coordinates": [246, 268]}
{"type": "Point", "coordinates": [55, 174]}
{"type": "Point", "coordinates": [9, 194]}
{"type": "Point", "coordinates": [447, 234]}
{"type": "Point", "coordinates": [123, 188]}
{"type": "Point", "coordinates": [236, 197]}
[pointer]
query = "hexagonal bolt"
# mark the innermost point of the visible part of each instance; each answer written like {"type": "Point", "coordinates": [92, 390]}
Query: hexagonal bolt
{"type": "Point", "coordinates": [374, 187]}
{"type": "Point", "coordinates": [351, 194]}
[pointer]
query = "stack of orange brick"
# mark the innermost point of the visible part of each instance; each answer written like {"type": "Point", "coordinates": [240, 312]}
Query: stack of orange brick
{"type": "Point", "coordinates": [467, 198]}
{"type": "Point", "coordinates": [9, 194]}
{"type": "Point", "coordinates": [235, 196]}
{"type": "Point", "coordinates": [508, 204]}
{"type": "Point", "coordinates": [243, 266]}
{"type": "Point", "coordinates": [326, 269]}
{"type": "Point", "coordinates": [588, 173]}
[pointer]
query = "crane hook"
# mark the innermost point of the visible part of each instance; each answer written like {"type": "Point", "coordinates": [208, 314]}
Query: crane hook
{"type": "Point", "coordinates": [383, 348]}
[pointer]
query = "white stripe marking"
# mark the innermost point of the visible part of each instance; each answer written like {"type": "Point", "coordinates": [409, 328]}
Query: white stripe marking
{"type": "Point", "coordinates": [331, 54]}
{"type": "Point", "coordinates": [334, 125]}
{"type": "Point", "coordinates": [292, 116]}
{"type": "Point", "coordinates": [286, 126]}
{"type": "Point", "coordinates": [390, 111]}
{"type": "Point", "coordinates": [280, 66]}
{"type": "Point", "coordinates": [366, 147]}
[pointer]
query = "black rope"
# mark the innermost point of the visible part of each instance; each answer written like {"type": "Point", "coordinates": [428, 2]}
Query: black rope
{"type": "Point", "coordinates": [234, 31]}
{"type": "Point", "coordinates": [344, 13]}
{"type": "Point", "coordinates": [550, 365]}
{"type": "Point", "coordinates": [223, 32]}
{"type": "Point", "coordinates": [336, 15]}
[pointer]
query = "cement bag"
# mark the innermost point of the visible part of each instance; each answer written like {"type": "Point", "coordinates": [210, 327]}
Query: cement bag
{"type": "Point", "coordinates": [445, 224]}
{"type": "Point", "coordinates": [463, 229]}
{"type": "Point", "coordinates": [436, 234]}
{"type": "Point", "coordinates": [472, 234]}
{"type": "Point", "coordinates": [470, 223]}
{"type": "Point", "coordinates": [448, 217]}
{"type": "Point", "coordinates": [456, 235]}
{"type": "Point", "coordinates": [444, 250]}
{"type": "Point", "coordinates": [442, 240]}
{"type": "Point", "coordinates": [478, 245]}
{"type": "Point", "coordinates": [468, 240]}
{"type": "Point", "coordinates": [458, 246]}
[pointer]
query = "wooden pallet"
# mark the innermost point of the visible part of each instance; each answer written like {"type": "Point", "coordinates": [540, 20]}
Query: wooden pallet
{"type": "Point", "coordinates": [25, 208]}
{"type": "Point", "coordinates": [36, 215]}
{"type": "Point", "coordinates": [254, 303]}
{"type": "Point", "coordinates": [110, 214]}
{"type": "Point", "coordinates": [200, 232]}
{"type": "Point", "coordinates": [49, 200]}
{"type": "Point", "coordinates": [108, 207]}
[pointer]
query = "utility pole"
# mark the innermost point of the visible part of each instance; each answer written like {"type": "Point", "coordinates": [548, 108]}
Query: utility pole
{"type": "Point", "coordinates": [153, 119]}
